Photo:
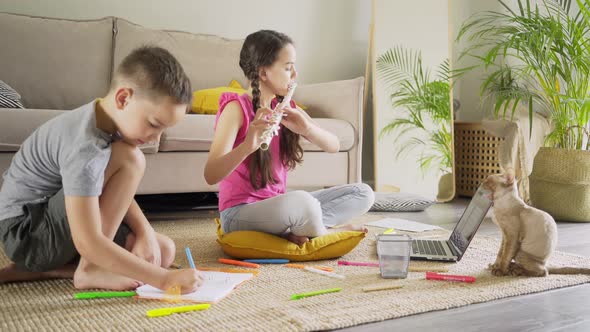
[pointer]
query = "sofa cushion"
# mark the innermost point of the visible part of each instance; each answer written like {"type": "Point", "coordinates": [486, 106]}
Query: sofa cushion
{"type": "Point", "coordinates": [195, 133]}
{"type": "Point", "coordinates": [17, 126]}
{"type": "Point", "coordinates": [56, 63]}
{"type": "Point", "coordinates": [209, 61]}
{"type": "Point", "coordinates": [206, 101]}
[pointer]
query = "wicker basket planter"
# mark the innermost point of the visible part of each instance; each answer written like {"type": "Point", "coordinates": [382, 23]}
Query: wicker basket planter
{"type": "Point", "coordinates": [476, 156]}
{"type": "Point", "coordinates": [560, 183]}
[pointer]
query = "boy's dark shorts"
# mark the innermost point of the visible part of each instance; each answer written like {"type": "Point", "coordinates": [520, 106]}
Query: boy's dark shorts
{"type": "Point", "coordinates": [40, 240]}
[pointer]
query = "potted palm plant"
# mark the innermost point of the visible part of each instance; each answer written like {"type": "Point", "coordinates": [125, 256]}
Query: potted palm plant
{"type": "Point", "coordinates": [539, 54]}
{"type": "Point", "coordinates": [425, 123]}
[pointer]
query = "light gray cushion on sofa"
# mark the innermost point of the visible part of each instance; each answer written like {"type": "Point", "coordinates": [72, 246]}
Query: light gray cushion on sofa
{"type": "Point", "coordinates": [55, 63]}
{"type": "Point", "coordinates": [17, 126]}
{"type": "Point", "coordinates": [400, 202]}
{"type": "Point", "coordinates": [195, 133]}
{"type": "Point", "coordinates": [209, 61]}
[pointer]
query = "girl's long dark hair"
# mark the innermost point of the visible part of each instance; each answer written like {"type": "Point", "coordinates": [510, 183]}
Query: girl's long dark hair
{"type": "Point", "coordinates": [261, 49]}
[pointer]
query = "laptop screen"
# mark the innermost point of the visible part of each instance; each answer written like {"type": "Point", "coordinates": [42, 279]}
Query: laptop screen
{"type": "Point", "coordinates": [470, 220]}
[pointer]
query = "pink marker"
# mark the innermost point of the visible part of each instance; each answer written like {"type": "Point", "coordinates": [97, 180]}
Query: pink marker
{"type": "Point", "coordinates": [448, 277]}
{"type": "Point", "coordinates": [358, 263]}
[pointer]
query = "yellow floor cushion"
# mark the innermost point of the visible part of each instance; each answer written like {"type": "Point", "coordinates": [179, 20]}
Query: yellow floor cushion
{"type": "Point", "coordinates": [251, 244]}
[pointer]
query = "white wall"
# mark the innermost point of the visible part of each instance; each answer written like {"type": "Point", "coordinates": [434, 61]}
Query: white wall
{"type": "Point", "coordinates": [419, 25]}
{"type": "Point", "coordinates": [467, 88]}
{"type": "Point", "coordinates": [331, 36]}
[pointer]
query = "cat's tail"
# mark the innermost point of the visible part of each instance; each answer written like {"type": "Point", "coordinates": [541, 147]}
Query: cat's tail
{"type": "Point", "coordinates": [568, 270]}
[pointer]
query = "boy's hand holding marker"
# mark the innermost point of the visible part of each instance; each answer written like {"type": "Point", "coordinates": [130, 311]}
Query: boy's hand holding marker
{"type": "Point", "coordinates": [189, 280]}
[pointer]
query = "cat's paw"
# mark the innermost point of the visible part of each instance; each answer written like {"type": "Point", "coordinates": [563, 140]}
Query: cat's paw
{"type": "Point", "coordinates": [498, 270]}
{"type": "Point", "coordinates": [516, 270]}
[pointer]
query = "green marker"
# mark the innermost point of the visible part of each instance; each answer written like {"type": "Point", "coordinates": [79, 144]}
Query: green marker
{"type": "Point", "coordinates": [102, 295]}
{"type": "Point", "coordinates": [320, 292]}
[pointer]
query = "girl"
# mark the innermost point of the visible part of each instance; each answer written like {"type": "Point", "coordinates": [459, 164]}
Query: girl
{"type": "Point", "coordinates": [252, 181]}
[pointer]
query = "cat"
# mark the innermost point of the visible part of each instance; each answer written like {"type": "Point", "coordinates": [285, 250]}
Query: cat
{"type": "Point", "coordinates": [529, 235]}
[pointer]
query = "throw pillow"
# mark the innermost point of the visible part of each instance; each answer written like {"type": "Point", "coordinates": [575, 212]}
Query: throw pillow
{"type": "Point", "coordinates": [8, 97]}
{"type": "Point", "coordinates": [251, 244]}
{"type": "Point", "coordinates": [400, 202]}
{"type": "Point", "coordinates": [206, 101]}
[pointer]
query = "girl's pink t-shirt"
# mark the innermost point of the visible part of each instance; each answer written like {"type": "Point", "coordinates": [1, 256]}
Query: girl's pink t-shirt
{"type": "Point", "coordinates": [236, 188]}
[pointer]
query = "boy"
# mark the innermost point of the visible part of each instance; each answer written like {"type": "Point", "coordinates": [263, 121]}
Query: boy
{"type": "Point", "coordinates": [69, 189]}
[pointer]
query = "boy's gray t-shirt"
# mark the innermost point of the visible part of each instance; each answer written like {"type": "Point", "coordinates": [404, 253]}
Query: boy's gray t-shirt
{"type": "Point", "coordinates": [66, 152]}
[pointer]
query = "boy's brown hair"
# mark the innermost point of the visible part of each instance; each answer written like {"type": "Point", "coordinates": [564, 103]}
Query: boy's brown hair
{"type": "Point", "coordinates": [154, 72]}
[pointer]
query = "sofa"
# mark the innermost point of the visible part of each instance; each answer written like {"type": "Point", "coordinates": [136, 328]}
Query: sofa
{"type": "Point", "coordinates": [57, 65]}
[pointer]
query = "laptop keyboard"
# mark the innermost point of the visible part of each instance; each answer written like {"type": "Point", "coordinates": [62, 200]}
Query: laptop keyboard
{"type": "Point", "coordinates": [426, 247]}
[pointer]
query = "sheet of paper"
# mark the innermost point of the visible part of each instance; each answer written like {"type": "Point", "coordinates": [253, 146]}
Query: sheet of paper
{"type": "Point", "coordinates": [217, 285]}
{"type": "Point", "coordinates": [403, 225]}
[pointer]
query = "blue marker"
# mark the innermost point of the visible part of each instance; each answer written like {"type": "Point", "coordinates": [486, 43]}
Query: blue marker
{"type": "Point", "coordinates": [189, 256]}
{"type": "Point", "coordinates": [267, 261]}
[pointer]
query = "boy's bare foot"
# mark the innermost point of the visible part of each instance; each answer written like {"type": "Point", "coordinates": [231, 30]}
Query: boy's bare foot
{"type": "Point", "coordinates": [349, 227]}
{"type": "Point", "coordinates": [92, 276]}
{"type": "Point", "coordinates": [11, 273]}
{"type": "Point", "coordinates": [298, 240]}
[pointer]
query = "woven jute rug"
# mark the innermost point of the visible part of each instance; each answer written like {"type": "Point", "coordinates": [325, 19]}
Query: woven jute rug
{"type": "Point", "coordinates": [263, 303]}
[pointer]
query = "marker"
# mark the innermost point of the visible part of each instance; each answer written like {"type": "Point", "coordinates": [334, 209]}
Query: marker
{"type": "Point", "coordinates": [389, 231]}
{"type": "Point", "coordinates": [374, 264]}
{"type": "Point", "coordinates": [448, 277]}
{"type": "Point", "coordinates": [267, 261]}
{"type": "Point", "coordinates": [102, 295]}
{"type": "Point", "coordinates": [169, 311]}
{"type": "Point", "coordinates": [320, 292]}
{"type": "Point", "coordinates": [189, 256]}
{"type": "Point", "coordinates": [380, 288]}
{"type": "Point", "coordinates": [229, 270]}
{"type": "Point", "coordinates": [326, 273]}
{"type": "Point", "coordinates": [172, 294]}
{"type": "Point", "coordinates": [301, 266]}
{"type": "Point", "coordinates": [238, 263]}
{"type": "Point", "coordinates": [428, 269]}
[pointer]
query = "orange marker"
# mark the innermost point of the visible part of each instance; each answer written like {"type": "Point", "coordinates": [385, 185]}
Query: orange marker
{"type": "Point", "coordinates": [228, 270]}
{"type": "Point", "coordinates": [238, 263]}
{"type": "Point", "coordinates": [301, 266]}
{"type": "Point", "coordinates": [172, 294]}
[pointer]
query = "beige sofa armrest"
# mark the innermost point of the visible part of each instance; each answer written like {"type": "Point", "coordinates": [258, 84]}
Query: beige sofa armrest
{"type": "Point", "coordinates": [338, 100]}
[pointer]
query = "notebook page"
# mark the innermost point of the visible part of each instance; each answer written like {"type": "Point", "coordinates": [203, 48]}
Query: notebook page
{"type": "Point", "coordinates": [216, 286]}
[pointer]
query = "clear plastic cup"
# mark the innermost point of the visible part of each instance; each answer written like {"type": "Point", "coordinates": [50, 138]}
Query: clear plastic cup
{"type": "Point", "coordinates": [394, 255]}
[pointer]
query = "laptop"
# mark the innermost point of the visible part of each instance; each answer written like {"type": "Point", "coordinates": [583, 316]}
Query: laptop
{"type": "Point", "coordinates": [454, 248]}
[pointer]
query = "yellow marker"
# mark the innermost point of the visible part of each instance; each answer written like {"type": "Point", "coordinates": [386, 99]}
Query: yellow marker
{"type": "Point", "coordinates": [389, 231]}
{"type": "Point", "coordinates": [172, 294]}
{"type": "Point", "coordinates": [169, 311]}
